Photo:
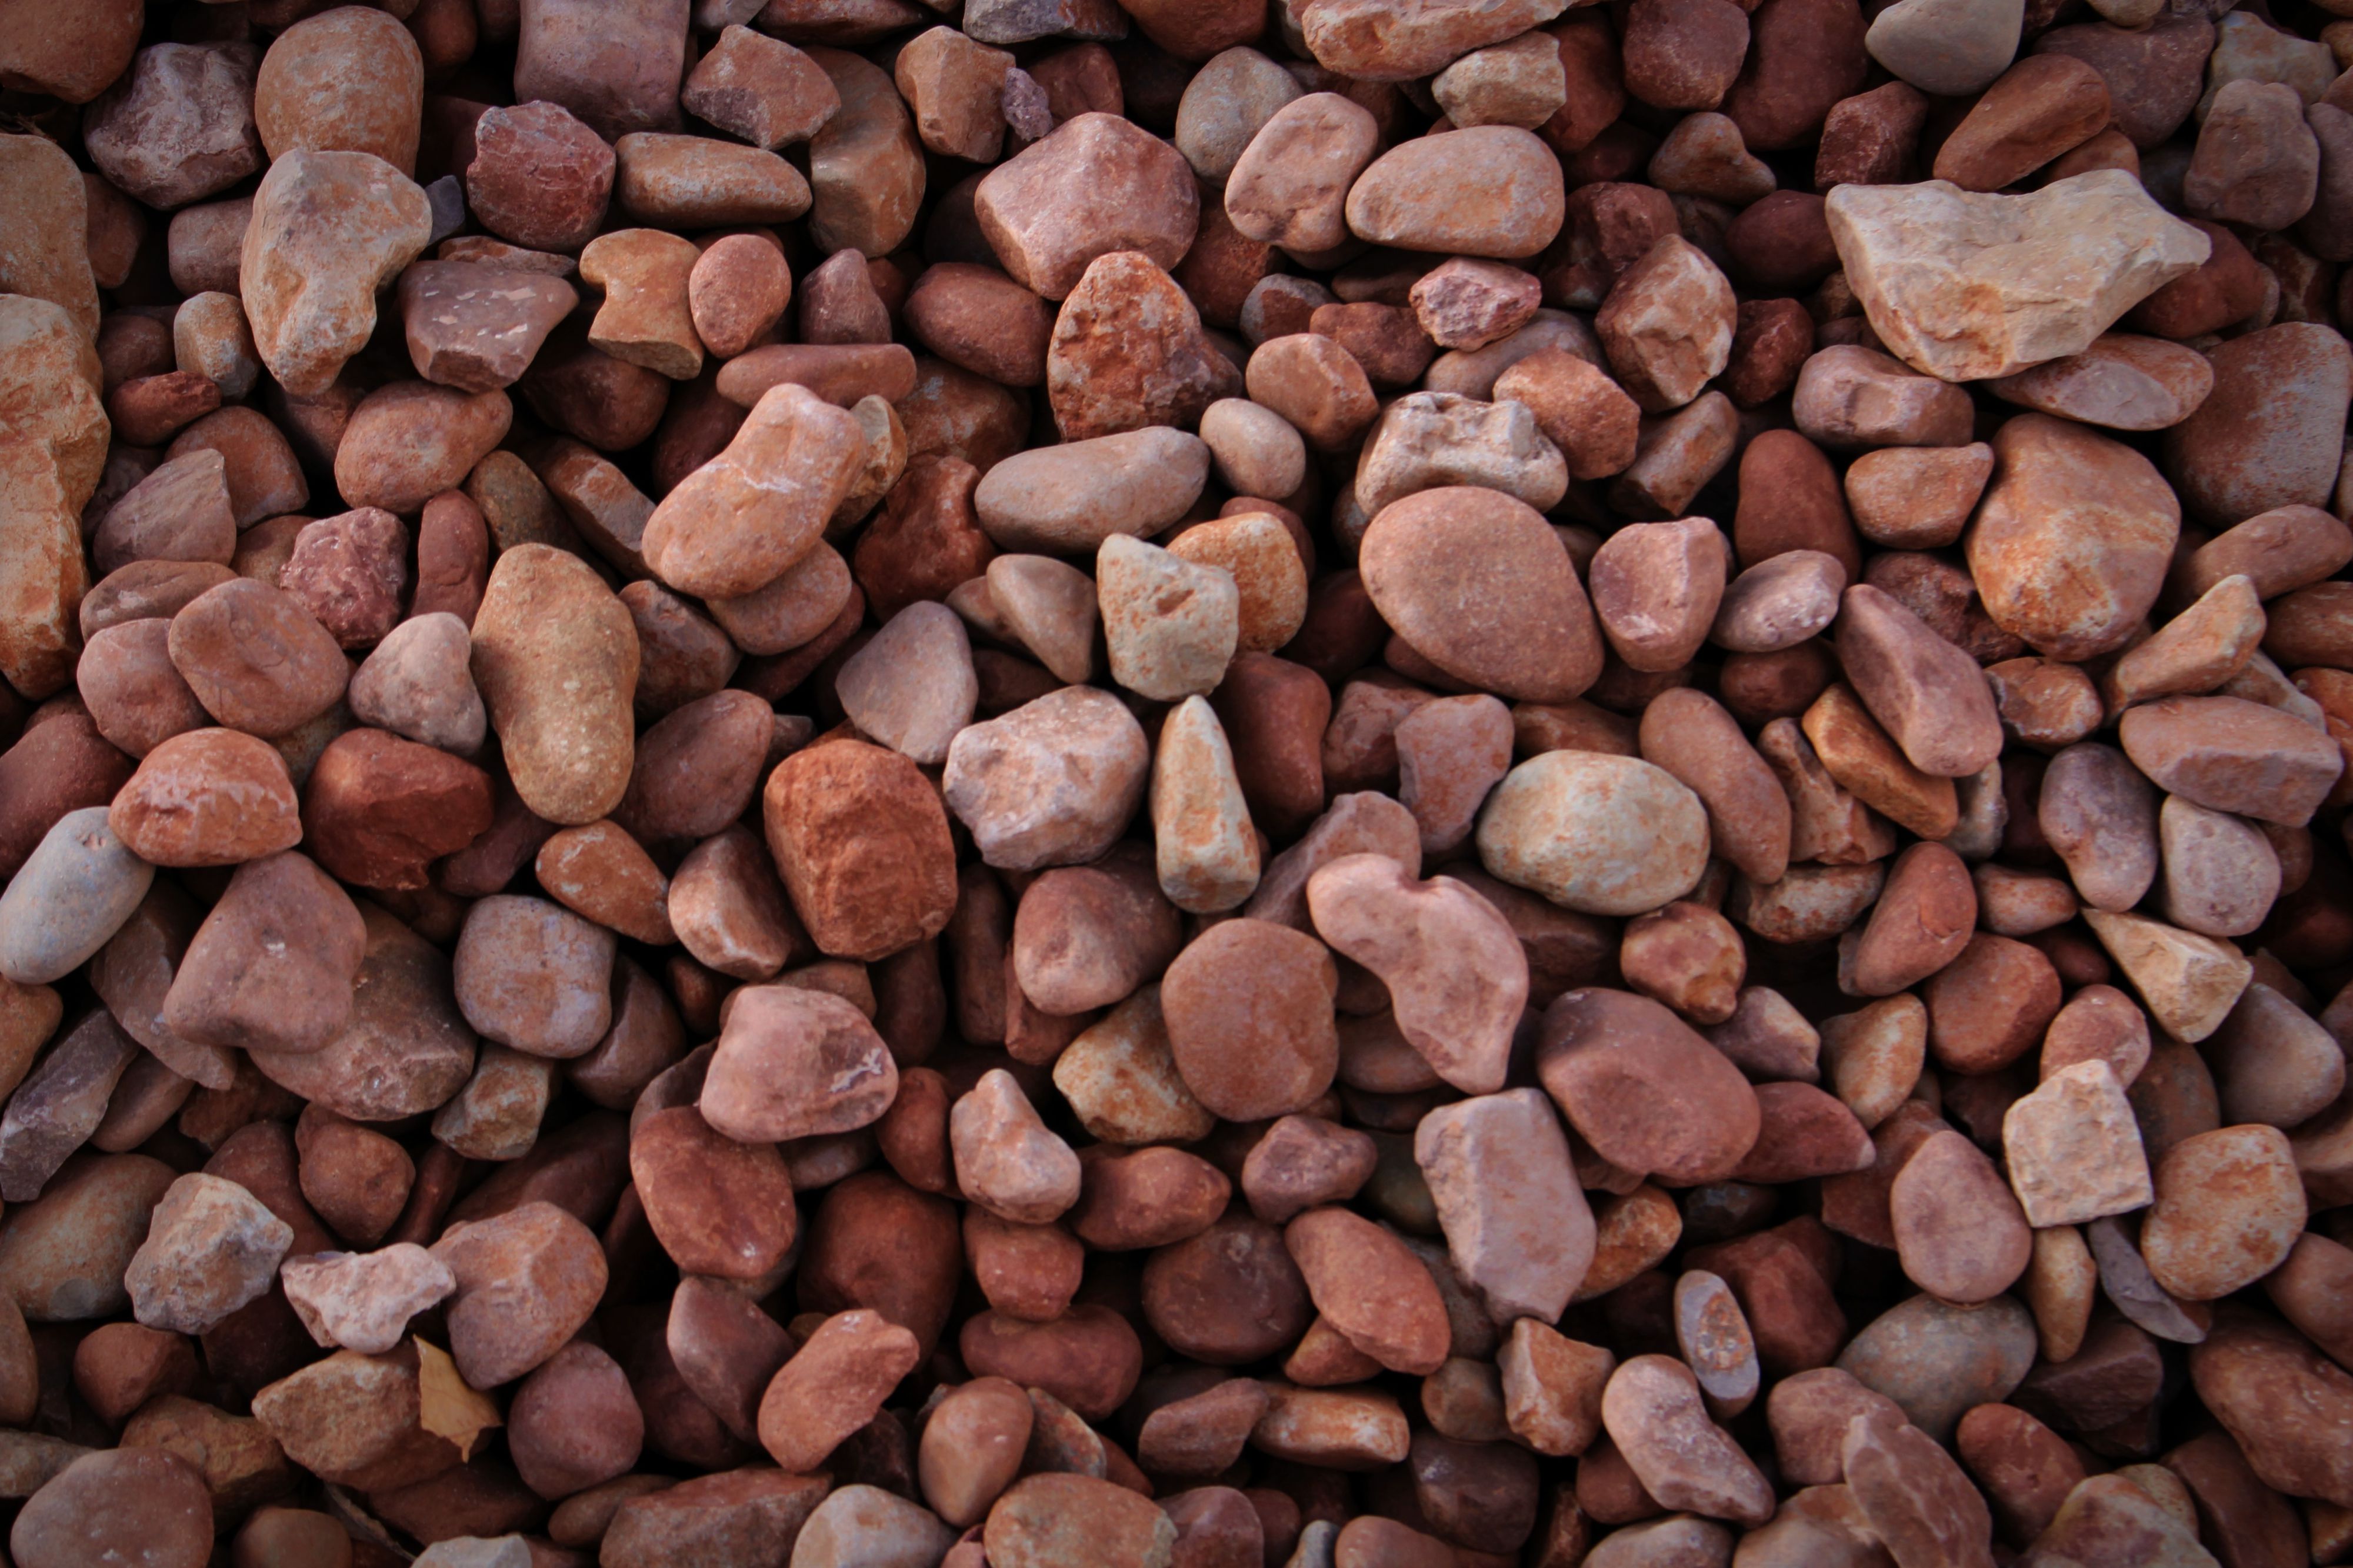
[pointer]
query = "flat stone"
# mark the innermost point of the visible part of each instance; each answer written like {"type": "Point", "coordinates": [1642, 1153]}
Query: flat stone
{"type": "Point", "coordinates": [1496, 192]}
{"type": "Point", "coordinates": [1516, 1225]}
{"type": "Point", "coordinates": [1967, 287]}
{"type": "Point", "coordinates": [1616, 1062]}
{"type": "Point", "coordinates": [1067, 499]}
{"type": "Point", "coordinates": [1477, 586]}
{"type": "Point", "coordinates": [362, 1300]}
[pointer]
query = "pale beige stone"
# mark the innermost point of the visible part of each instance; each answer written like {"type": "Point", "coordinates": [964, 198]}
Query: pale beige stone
{"type": "Point", "coordinates": [1204, 846]}
{"type": "Point", "coordinates": [2189, 982]}
{"type": "Point", "coordinates": [2073, 1150]}
{"type": "Point", "coordinates": [1171, 627]}
{"type": "Point", "coordinates": [1967, 287]}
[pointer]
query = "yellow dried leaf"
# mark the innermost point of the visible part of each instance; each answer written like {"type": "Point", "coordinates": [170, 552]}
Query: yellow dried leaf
{"type": "Point", "coordinates": [447, 1406]}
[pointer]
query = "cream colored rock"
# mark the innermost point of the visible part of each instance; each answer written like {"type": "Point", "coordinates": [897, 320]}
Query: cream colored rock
{"type": "Point", "coordinates": [2073, 1150]}
{"type": "Point", "coordinates": [1171, 627]}
{"type": "Point", "coordinates": [1426, 439]}
{"type": "Point", "coordinates": [2189, 982]}
{"type": "Point", "coordinates": [1967, 287]}
{"type": "Point", "coordinates": [1120, 1078]}
{"type": "Point", "coordinates": [1600, 834]}
{"type": "Point", "coordinates": [1203, 845]}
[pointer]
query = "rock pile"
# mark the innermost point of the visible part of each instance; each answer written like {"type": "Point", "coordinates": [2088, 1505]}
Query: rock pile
{"type": "Point", "coordinates": [1175, 784]}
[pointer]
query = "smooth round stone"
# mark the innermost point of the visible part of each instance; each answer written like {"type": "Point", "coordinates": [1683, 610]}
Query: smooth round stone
{"type": "Point", "coordinates": [1938, 1360]}
{"type": "Point", "coordinates": [143, 1506]}
{"type": "Point", "coordinates": [1067, 499]}
{"type": "Point", "coordinates": [532, 974]}
{"type": "Point", "coordinates": [1645, 1089]}
{"type": "Point", "coordinates": [1489, 189]}
{"type": "Point", "coordinates": [1050, 1520]}
{"type": "Point", "coordinates": [256, 658]}
{"type": "Point", "coordinates": [351, 81]}
{"type": "Point", "coordinates": [862, 1526]}
{"type": "Point", "coordinates": [2251, 1373]}
{"type": "Point", "coordinates": [210, 797]}
{"type": "Point", "coordinates": [555, 658]}
{"type": "Point", "coordinates": [2073, 538]}
{"type": "Point", "coordinates": [1479, 584]}
{"type": "Point", "coordinates": [2229, 1206]}
{"type": "Point", "coordinates": [79, 886]}
{"type": "Point", "coordinates": [1780, 602]}
{"type": "Point", "coordinates": [1248, 1010]}
{"type": "Point", "coordinates": [62, 1256]}
{"type": "Point", "coordinates": [1599, 834]}
{"type": "Point", "coordinates": [1959, 1232]}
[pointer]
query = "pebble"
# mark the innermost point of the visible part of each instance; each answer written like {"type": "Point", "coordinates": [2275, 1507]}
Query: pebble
{"type": "Point", "coordinates": [795, 451]}
{"type": "Point", "coordinates": [1249, 1026]}
{"type": "Point", "coordinates": [1517, 1227]}
{"type": "Point", "coordinates": [1599, 834]}
{"type": "Point", "coordinates": [1373, 912]}
{"type": "Point", "coordinates": [1652, 1410]}
{"type": "Point", "coordinates": [362, 1301]}
{"type": "Point", "coordinates": [1667, 325]}
{"type": "Point", "coordinates": [796, 1063]}
{"type": "Point", "coordinates": [1170, 625]}
{"type": "Point", "coordinates": [2246, 451]}
{"type": "Point", "coordinates": [1537, 345]}
{"type": "Point", "coordinates": [209, 797]}
{"type": "Point", "coordinates": [330, 228]}
{"type": "Point", "coordinates": [1646, 1092]}
{"type": "Point", "coordinates": [109, 1505]}
{"type": "Point", "coordinates": [1516, 623]}
{"type": "Point", "coordinates": [526, 1280]}
{"type": "Point", "coordinates": [1495, 193]}
{"type": "Point", "coordinates": [555, 659]}
{"type": "Point", "coordinates": [2008, 282]}
{"type": "Point", "coordinates": [1144, 201]}
{"type": "Point", "coordinates": [418, 684]}
{"type": "Point", "coordinates": [69, 899]}
{"type": "Point", "coordinates": [2228, 1208]}
{"type": "Point", "coordinates": [1288, 185]}
{"type": "Point", "coordinates": [539, 177]}
{"type": "Point", "coordinates": [1069, 498]}
{"type": "Point", "coordinates": [1054, 781]}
